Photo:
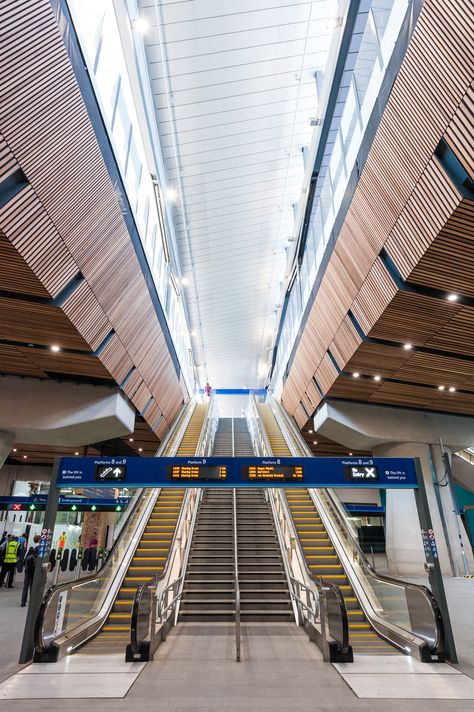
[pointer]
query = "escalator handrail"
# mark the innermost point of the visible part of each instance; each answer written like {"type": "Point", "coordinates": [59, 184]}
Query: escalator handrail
{"type": "Point", "coordinates": [254, 420]}
{"type": "Point", "coordinates": [67, 585]}
{"type": "Point", "coordinates": [385, 578]}
{"type": "Point", "coordinates": [392, 580]}
{"type": "Point", "coordinates": [209, 427]}
{"type": "Point", "coordinates": [319, 582]}
{"type": "Point", "coordinates": [135, 644]}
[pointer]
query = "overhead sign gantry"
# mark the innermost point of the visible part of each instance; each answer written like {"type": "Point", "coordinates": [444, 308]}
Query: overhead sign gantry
{"type": "Point", "coordinates": [237, 472]}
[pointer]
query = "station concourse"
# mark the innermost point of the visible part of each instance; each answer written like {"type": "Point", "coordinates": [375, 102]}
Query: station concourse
{"type": "Point", "coordinates": [236, 355]}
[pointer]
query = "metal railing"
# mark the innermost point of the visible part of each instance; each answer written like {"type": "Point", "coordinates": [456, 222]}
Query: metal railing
{"type": "Point", "coordinates": [87, 601]}
{"type": "Point", "coordinates": [152, 613]}
{"type": "Point", "coordinates": [322, 610]}
{"type": "Point", "coordinates": [206, 439]}
{"type": "Point", "coordinates": [236, 576]}
{"type": "Point", "coordinates": [403, 613]}
{"type": "Point", "coordinates": [260, 442]}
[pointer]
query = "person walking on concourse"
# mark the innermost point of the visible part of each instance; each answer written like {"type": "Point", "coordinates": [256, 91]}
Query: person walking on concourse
{"type": "Point", "coordinates": [30, 564]}
{"type": "Point", "coordinates": [9, 561]}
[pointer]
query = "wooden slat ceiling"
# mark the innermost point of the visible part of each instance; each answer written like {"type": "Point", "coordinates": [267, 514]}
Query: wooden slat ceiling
{"type": "Point", "coordinates": [408, 208]}
{"type": "Point", "coordinates": [64, 230]}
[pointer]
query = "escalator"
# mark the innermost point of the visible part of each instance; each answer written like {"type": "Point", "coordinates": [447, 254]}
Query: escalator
{"type": "Point", "coordinates": [384, 615]}
{"type": "Point", "coordinates": [98, 608]}
{"type": "Point", "coordinates": [275, 437]}
{"type": "Point", "coordinates": [149, 561]}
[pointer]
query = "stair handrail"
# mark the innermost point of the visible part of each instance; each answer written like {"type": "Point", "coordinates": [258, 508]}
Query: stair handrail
{"type": "Point", "coordinates": [209, 427]}
{"type": "Point", "coordinates": [144, 649]}
{"type": "Point", "coordinates": [318, 586]}
{"type": "Point", "coordinates": [236, 576]}
{"type": "Point", "coordinates": [357, 557]}
{"type": "Point", "coordinates": [257, 431]}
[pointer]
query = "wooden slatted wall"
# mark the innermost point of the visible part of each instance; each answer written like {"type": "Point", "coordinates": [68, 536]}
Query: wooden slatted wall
{"type": "Point", "coordinates": [406, 203]}
{"type": "Point", "coordinates": [68, 221]}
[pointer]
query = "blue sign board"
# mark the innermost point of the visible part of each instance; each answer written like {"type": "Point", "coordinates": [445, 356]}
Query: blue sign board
{"type": "Point", "coordinates": [237, 472]}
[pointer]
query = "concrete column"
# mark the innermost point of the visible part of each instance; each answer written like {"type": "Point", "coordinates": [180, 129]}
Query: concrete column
{"type": "Point", "coordinates": [461, 550]}
{"type": "Point", "coordinates": [404, 547]}
{"type": "Point", "coordinates": [393, 432]}
{"type": "Point", "coordinates": [6, 441]}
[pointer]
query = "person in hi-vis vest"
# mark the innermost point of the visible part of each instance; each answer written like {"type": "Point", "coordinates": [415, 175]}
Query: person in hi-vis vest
{"type": "Point", "coordinates": [9, 560]}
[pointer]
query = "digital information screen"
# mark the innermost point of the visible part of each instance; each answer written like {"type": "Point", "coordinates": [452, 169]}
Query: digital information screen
{"type": "Point", "coordinates": [362, 473]}
{"type": "Point", "coordinates": [196, 472]}
{"type": "Point", "coordinates": [271, 473]}
{"type": "Point", "coordinates": [110, 472]}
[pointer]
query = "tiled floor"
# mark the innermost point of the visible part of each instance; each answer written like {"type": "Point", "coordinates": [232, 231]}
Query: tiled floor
{"type": "Point", "coordinates": [280, 671]}
{"type": "Point", "coordinates": [405, 678]}
{"type": "Point", "coordinates": [78, 677]}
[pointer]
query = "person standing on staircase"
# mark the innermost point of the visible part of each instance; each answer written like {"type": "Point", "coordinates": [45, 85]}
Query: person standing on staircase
{"type": "Point", "coordinates": [207, 389]}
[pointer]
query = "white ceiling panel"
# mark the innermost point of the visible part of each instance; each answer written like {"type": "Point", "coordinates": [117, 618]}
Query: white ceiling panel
{"type": "Point", "coordinates": [233, 86]}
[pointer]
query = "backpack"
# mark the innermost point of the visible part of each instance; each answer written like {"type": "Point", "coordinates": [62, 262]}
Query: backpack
{"type": "Point", "coordinates": [30, 562]}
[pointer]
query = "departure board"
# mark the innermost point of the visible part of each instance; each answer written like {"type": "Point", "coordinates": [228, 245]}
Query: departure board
{"type": "Point", "coordinates": [269, 473]}
{"type": "Point", "coordinates": [196, 472]}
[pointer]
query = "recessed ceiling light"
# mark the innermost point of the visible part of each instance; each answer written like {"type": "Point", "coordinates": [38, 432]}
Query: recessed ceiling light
{"type": "Point", "coordinates": [55, 348]}
{"type": "Point", "coordinates": [76, 453]}
{"type": "Point", "coordinates": [407, 347]}
{"type": "Point", "coordinates": [140, 449]}
{"type": "Point", "coordinates": [141, 25]}
{"type": "Point", "coordinates": [452, 297]}
{"type": "Point", "coordinates": [377, 378]}
{"type": "Point", "coordinates": [310, 431]}
{"type": "Point", "coordinates": [25, 457]}
{"type": "Point", "coordinates": [315, 442]}
{"type": "Point", "coordinates": [441, 388]}
{"type": "Point", "coordinates": [452, 389]}
{"type": "Point", "coordinates": [171, 195]}
{"type": "Point", "coordinates": [130, 440]}
{"type": "Point", "coordinates": [15, 449]}
{"type": "Point", "coordinates": [350, 454]}
{"type": "Point", "coordinates": [356, 374]}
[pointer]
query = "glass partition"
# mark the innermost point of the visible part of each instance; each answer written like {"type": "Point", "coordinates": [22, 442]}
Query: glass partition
{"type": "Point", "coordinates": [409, 606]}
{"type": "Point", "coordinates": [68, 606]}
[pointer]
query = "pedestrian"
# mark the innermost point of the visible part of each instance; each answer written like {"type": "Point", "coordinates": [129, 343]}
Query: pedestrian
{"type": "Point", "coordinates": [4, 537]}
{"type": "Point", "coordinates": [22, 542]}
{"type": "Point", "coordinates": [9, 561]}
{"type": "Point", "coordinates": [207, 389]}
{"type": "Point", "coordinates": [62, 541]}
{"type": "Point", "coordinates": [94, 542]}
{"type": "Point", "coordinates": [30, 564]}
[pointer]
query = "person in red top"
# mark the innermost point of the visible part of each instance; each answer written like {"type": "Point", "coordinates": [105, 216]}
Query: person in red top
{"type": "Point", "coordinates": [94, 541]}
{"type": "Point", "coordinates": [207, 389]}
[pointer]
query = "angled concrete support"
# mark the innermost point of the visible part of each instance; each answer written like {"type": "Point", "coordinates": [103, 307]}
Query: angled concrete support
{"type": "Point", "coordinates": [51, 412]}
